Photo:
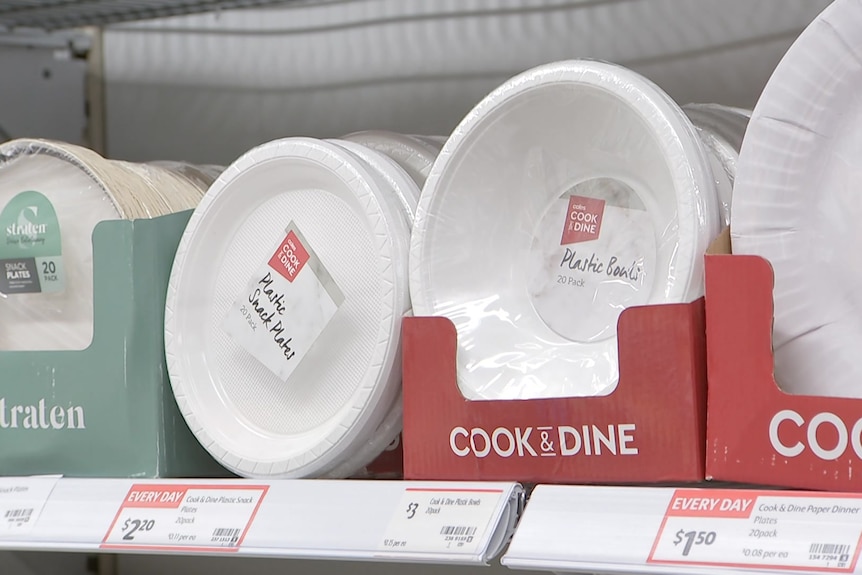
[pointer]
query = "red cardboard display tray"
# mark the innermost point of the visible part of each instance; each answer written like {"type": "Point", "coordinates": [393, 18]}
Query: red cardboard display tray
{"type": "Point", "coordinates": [650, 429]}
{"type": "Point", "coordinates": [757, 433]}
{"type": "Point", "coordinates": [389, 464]}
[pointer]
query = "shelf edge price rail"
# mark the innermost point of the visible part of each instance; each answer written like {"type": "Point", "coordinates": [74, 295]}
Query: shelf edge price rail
{"type": "Point", "coordinates": [185, 517]}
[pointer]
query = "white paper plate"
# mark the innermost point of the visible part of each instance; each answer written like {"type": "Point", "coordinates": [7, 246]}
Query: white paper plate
{"type": "Point", "coordinates": [248, 418]}
{"type": "Point", "coordinates": [721, 129]}
{"type": "Point", "coordinates": [412, 154]}
{"type": "Point", "coordinates": [487, 242]}
{"type": "Point", "coordinates": [798, 203]}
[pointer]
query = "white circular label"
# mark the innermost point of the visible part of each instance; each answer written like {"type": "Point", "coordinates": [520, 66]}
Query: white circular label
{"type": "Point", "coordinates": [593, 255]}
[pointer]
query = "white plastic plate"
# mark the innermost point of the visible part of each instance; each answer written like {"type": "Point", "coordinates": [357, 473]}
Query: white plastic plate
{"type": "Point", "coordinates": [251, 420]}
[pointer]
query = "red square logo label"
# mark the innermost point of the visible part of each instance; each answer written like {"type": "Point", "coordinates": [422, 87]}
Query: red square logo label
{"type": "Point", "coordinates": [583, 220]}
{"type": "Point", "coordinates": [290, 257]}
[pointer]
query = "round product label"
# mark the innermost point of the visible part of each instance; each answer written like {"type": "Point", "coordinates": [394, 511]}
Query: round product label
{"type": "Point", "coordinates": [593, 255]}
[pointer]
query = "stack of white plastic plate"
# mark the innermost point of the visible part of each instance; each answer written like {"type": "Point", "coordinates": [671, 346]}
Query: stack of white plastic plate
{"type": "Point", "coordinates": [571, 192]}
{"type": "Point", "coordinates": [415, 154]}
{"type": "Point", "coordinates": [798, 203]}
{"type": "Point", "coordinates": [283, 316]}
{"type": "Point", "coordinates": [52, 195]}
{"type": "Point", "coordinates": [407, 193]}
{"type": "Point", "coordinates": [721, 129]}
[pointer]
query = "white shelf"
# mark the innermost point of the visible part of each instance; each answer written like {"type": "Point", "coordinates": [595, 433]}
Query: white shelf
{"type": "Point", "coordinates": [633, 529]}
{"type": "Point", "coordinates": [60, 14]}
{"type": "Point", "coordinates": [312, 519]}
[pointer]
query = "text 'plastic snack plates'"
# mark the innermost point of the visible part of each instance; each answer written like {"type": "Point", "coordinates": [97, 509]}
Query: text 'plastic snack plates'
{"type": "Point", "coordinates": [798, 203]}
{"type": "Point", "coordinates": [572, 191]}
{"type": "Point", "coordinates": [721, 129]}
{"type": "Point", "coordinates": [283, 317]}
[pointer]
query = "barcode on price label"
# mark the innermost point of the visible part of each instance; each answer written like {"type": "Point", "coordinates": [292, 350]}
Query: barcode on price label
{"type": "Point", "coordinates": [770, 530]}
{"type": "Point", "coordinates": [226, 536]}
{"type": "Point", "coordinates": [460, 530]}
{"type": "Point", "coordinates": [19, 514]}
{"type": "Point", "coordinates": [829, 548]}
{"type": "Point", "coordinates": [441, 521]}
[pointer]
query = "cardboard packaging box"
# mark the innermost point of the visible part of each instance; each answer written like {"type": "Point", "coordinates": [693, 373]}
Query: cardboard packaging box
{"type": "Point", "coordinates": [757, 433]}
{"type": "Point", "coordinates": [108, 410]}
{"type": "Point", "coordinates": [650, 429]}
{"type": "Point", "coordinates": [388, 465]}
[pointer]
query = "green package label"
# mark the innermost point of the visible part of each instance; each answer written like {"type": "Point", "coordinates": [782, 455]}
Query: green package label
{"type": "Point", "coordinates": [31, 250]}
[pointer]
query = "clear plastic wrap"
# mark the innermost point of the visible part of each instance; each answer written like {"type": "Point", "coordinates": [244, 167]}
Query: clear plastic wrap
{"type": "Point", "coordinates": [413, 153]}
{"type": "Point", "coordinates": [201, 176]}
{"type": "Point", "coordinates": [52, 196]}
{"type": "Point", "coordinates": [797, 203]}
{"type": "Point", "coordinates": [571, 192]}
{"type": "Point", "coordinates": [435, 142]}
{"type": "Point", "coordinates": [721, 128]}
{"type": "Point", "coordinates": [321, 417]}
{"type": "Point", "coordinates": [407, 192]}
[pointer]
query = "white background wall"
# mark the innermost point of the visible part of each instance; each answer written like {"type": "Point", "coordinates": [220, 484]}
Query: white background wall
{"type": "Point", "coordinates": [207, 88]}
{"type": "Point", "coordinates": [41, 93]}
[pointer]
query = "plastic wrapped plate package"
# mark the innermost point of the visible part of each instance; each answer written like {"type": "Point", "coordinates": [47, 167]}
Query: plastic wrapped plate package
{"type": "Point", "coordinates": [283, 316]}
{"type": "Point", "coordinates": [415, 154]}
{"type": "Point", "coordinates": [722, 130]}
{"type": "Point", "coordinates": [407, 193]}
{"type": "Point", "coordinates": [571, 192]}
{"type": "Point", "coordinates": [201, 175]}
{"type": "Point", "coordinates": [52, 195]}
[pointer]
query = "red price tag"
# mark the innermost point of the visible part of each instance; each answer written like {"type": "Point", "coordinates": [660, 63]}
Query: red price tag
{"type": "Point", "coordinates": [761, 529]}
{"type": "Point", "coordinates": [185, 517]}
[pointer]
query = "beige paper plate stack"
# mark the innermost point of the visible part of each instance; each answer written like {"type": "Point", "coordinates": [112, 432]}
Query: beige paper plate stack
{"type": "Point", "coordinates": [84, 189]}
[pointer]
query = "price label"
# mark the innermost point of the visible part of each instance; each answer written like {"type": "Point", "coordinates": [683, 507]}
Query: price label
{"type": "Point", "coordinates": [766, 530]}
{"type": "Point", "coordinates": [21, 502]}
{"type": "Point", "coordinates": [431, 520]}
{"type": "Point", "coordinates": [185, 517]}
